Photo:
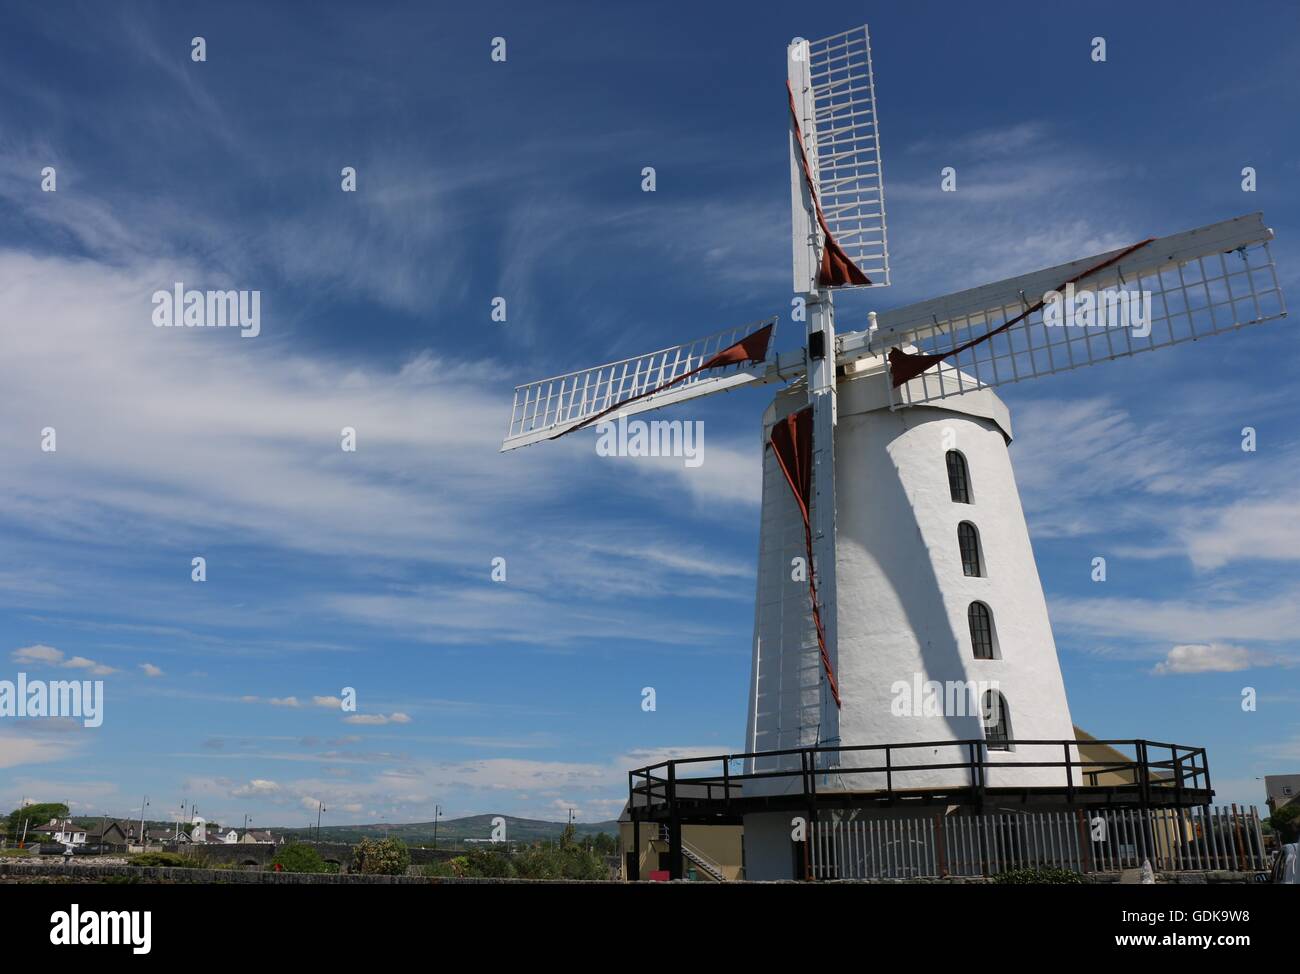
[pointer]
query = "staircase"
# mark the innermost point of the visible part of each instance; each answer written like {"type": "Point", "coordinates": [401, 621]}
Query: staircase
{"type": "Point", "coordinates": [702, 862]}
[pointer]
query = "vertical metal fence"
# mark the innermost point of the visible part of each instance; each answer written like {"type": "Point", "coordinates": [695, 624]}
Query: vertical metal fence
{"type": "Point", "coordinates": [1106, 840]}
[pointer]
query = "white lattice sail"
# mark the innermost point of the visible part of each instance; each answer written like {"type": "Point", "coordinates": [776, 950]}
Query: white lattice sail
{"type": "Point", "coordinates": [1167, 291]}
{"type": "Point", "coordinates": [548, 407]}
{"type": "Point", "coordinates": [845, 152]}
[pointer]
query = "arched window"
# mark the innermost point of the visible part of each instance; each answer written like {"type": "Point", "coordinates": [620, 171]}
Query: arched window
{"type": "Point", "coordinates": [968, 540]}
{"type": "Point", "coordinates": [997, 722]}
{"type": "Point", "coordinates": [958, 478]}
{"type": "Point", "coordinates": [981, 630]}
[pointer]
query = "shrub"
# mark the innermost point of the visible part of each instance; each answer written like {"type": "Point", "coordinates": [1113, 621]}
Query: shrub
{"type": "Point", "coordinates": [548, 861]}
{"type": "Point", "coordinates": [298, 857]}
{"type": "Point", "coordinates": [489, 863]}
{"type": "Point", "coordinates": [444, 870]}
{"type": "Point", "coordinates": [1040, 876]}
{"type": "Point", "coordinates": [385, 857]}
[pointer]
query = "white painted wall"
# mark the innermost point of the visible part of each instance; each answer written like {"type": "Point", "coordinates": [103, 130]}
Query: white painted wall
{"type": "Point", "coordinates": [903, 599]}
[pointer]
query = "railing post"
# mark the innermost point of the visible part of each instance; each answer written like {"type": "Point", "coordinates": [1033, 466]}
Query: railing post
{"type": "Point", "coordinates": [1236, 833]}
{"type": "Point", "coordinates": [1069, 776]}
{"type": "Point", "coordinates": [939, 846]}
{"type": "Point", "coordinates": [1144, 772]}
{"type": "Point", "coordinates": [809, 839]}
{"type": "Point", "coordinates": [674, 826]}
{"type": "Point", "coordinates": [1085, 841]}
{"type": "Point", "coordinates": [1257, 852]}
{"type": "Point", "coordinates": [977, 772]}
{"type": "Point", "coordinates": [634, 869]}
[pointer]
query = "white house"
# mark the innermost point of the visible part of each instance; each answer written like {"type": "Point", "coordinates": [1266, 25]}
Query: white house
{"type": "Point", "coordinates": [65, 833]}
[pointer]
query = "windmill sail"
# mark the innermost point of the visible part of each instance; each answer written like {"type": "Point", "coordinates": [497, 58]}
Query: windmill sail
{"type": "Point", "coordinates": [835, 155]}
{"type": "Point", "coordinates": [1151, 294]}
{"type": "Point", "coordinates": [552, 407]}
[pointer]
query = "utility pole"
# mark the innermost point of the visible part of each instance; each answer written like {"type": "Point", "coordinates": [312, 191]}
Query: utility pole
{"type": "Point", "coordinates": [320, 807]}
{"type": "Point", "coordinates": [437, 810]}
{"type": "Point", "coordinates": [143, 805]}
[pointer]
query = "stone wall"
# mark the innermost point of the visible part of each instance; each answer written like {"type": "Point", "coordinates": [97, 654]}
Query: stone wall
{"type": "Point", "coordinates": [17, 871]}
{"type": "Point", "coordinates": [82, 873]}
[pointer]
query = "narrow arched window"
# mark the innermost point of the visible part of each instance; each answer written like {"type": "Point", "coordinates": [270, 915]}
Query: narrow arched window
{"type": "Point", "coordinates": [981, 630]}
{"type": "Point", "coordinates": [968, 540]}
{"type": "Point", "coordinates": [997, 722]}
{"type": "Point", "coordinates": [958, 478]}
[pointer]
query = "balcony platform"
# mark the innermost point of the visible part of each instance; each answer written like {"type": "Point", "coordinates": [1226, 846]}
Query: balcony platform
{"type": "Point", "coordinates": [717, 790]}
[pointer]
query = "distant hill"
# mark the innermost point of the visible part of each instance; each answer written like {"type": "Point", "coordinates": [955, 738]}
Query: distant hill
{"type": "Point", "coordinates": [450, 830]}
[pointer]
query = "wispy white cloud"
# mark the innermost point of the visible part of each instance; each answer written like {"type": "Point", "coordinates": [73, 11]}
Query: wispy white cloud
{"type": "Point", "coordinates": [377, 720]}
{"type": "Point", "coordinates": [1195, 618]}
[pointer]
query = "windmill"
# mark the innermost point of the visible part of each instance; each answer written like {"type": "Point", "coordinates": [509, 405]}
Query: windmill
{"type": "Point", "coordinates": [885, 463]}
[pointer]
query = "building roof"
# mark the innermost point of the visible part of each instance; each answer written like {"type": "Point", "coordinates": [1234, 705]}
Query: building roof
{"type": "Point", "coordinates": [102, 827]}
{"type": "Point", "coordinates": [1282, 788]}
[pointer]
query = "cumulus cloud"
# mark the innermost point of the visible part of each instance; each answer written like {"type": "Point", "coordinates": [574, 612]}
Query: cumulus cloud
{"type": "Point", "coordinates": [49, 656]}
{"type": "Point", "coordinates": [37, 654]}
{"type": "Point", "coordinates": [1208, 658]}
{"type": "Point", "coordinates": [151, 670]}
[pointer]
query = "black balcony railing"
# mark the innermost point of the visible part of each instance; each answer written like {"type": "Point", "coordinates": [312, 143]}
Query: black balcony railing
{"type": "Point", "coordinates": [1156, 773]}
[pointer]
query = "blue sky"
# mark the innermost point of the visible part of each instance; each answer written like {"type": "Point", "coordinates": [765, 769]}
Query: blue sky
{"type": "Point", "coordinates": [522, 179]}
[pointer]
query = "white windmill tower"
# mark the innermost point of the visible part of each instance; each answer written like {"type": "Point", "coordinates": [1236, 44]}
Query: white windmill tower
{"type": "Point", "coordinates": [894, 555]}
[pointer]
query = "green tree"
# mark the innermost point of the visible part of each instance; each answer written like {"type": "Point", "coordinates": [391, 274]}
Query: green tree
{"type": "Point", "coordinates": [1286, 822]}
{"type": "Point", "coordinates": [298, 857]}
{"type": "Point", "coordinates": [36, 816]}
{"type": "Point", "coordinates": [601, 843]}
{"type": "Point", "coordinates": [383, 857]}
